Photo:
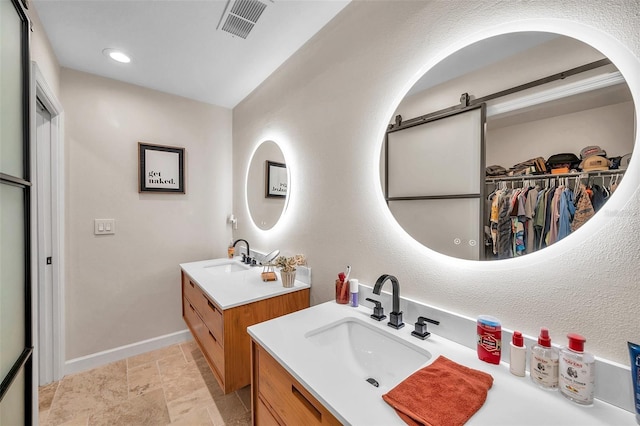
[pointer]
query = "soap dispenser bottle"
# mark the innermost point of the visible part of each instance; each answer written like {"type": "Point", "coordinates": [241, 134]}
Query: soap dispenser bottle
{"type": "Point", "coordinates": [577, 371]}
{"type": "Point", "coordinates": [544, 362]}
{"type": "Point", "coordinates": [231, 250]}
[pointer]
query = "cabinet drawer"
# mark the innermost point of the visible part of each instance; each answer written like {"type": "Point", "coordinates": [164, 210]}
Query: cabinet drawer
{"type": "Point", "coordinates": [208, 342]}
{"type": "Point", "coordinates": [212, 316]}
{"type": "Point", "coordinates": [212, 346]}
{"type": "Point", "coordinates": [262, 415]}
{"type": "Point", "coordinates": [191, 317]}
{"type": "Point", "coordinates": [191, 291]}
{"type": "Point", "coordinates": [208, 311]}
{"type": "Point", "coordinates": [287, 398]}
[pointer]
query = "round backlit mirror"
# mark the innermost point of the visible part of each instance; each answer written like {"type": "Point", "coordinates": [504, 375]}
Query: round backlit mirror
{"type": "Point", "coordinates": [267, 185]}
{"type": "Point", "coordinates": [508, 146]}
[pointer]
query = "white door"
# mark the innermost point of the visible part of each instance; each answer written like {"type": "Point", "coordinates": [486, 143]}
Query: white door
{"type": "Point", "coordinates": [45, 250]}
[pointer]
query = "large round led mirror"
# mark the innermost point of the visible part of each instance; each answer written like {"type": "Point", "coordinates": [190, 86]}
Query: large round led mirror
{"type": "Point", "coordinates": [508, 146]}
{"type": "Point", "coordinates": [267, 185]}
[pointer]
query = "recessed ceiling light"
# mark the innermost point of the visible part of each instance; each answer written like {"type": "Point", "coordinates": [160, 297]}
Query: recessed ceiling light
{"type": "Point", "coordinates": [116, 55]}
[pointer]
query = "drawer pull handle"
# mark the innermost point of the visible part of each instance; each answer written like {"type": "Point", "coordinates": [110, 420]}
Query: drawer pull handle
{"type": "Point", "coordinates": [211, 305]}
{"type": "Point", "coordinates": [316, 413]}
{"type": "Point", "coordinates": [192, 284]}
{"type": "Point", "coordinates": [212, 336]}
{"type": "Point", "coordinates": [192, 308]}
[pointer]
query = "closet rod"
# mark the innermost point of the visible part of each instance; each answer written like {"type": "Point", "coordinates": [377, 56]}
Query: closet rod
{"type": "Point", "coordinates": [559, 175]}
{"type": "Point", "coordinates": [434, 197]}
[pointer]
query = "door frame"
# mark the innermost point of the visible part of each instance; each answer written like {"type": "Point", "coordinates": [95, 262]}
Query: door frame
{"type": "Point", "coordinates": [41, 91]}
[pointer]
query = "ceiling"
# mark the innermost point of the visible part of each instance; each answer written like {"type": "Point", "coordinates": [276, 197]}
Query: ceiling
{"type": "Point", "coordinates": [175, 45]}
{"type": "Point", "coordinates": [509, 53]}
{"type": "Point", "coordinates": [479, 55]}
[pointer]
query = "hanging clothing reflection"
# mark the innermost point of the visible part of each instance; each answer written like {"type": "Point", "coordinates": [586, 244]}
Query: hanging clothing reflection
{"type": "Point", "coordinates": [529, 213]}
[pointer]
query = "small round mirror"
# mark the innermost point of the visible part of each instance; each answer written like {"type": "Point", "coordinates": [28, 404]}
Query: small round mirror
{"type": "Point", "coordinates": [267, 185]}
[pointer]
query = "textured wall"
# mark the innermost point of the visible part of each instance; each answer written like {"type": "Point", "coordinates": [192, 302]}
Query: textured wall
{"type": "Point", "coordinates": [124, 288]}
{"type": "Point", "coordinates": [328, 105]}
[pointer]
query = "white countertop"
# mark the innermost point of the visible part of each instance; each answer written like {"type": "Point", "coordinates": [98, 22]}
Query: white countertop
{"type": "Point", "coordinates": [511, 401]}
{"type": "Point", "coordinates": [231, 289]}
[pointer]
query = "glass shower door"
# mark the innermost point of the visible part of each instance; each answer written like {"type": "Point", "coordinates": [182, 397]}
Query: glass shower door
{"type": "Point", "coordinates": [16, 348]}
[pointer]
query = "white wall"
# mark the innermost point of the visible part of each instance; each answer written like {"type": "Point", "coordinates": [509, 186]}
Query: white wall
{"type": "Point", "coordinates": [125, 288]}
{"type": "Point", "coordinates": [328, 107]}
{"type": "Point", "coordinates": [42, 53]}
{"type": "Point", "coordinates": [611, 127]}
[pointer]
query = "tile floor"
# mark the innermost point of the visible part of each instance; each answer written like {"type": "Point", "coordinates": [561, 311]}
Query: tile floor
{"type": "Point", "coordinates": [169, 386]}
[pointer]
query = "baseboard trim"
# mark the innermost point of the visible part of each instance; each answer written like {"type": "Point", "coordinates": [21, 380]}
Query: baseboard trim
{"type": "Point", "coordinates": [98, 359]}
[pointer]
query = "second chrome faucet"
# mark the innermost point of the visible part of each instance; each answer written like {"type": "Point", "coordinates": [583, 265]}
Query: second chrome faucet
{"type": "Point", "coordinates": [395, 317]}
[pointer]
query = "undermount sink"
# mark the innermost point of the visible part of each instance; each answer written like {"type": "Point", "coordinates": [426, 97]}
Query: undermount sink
{"type": "Point", "coordinates": [226, 267]}
{"type": "Point", "coordinates": [375, 355]}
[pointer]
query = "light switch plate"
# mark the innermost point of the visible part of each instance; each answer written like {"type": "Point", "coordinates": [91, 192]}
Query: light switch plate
{"type": "Point", "coordinates": [104, 226]}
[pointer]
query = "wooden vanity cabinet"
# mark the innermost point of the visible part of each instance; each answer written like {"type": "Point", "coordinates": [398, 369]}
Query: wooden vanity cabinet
{"type": "Point", "coordinates": [222, 334]}
{"type": "Point", "coordinates": [277, 398]}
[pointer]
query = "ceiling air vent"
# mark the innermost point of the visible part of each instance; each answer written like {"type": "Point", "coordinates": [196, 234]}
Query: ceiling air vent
{"type": "Point", "coordinates": [240, 16]}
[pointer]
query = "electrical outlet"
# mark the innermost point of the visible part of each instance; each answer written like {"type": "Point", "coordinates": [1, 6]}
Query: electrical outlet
{"type": "Point", "coordinates": [104, 226]}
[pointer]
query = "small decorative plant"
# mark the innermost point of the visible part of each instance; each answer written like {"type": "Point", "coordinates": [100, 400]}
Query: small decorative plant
{"type": "Point", "coordinates": [288, 264]}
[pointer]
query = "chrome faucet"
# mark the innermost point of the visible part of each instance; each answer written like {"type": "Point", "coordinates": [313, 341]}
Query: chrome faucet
{"type": "Point", "coordinates": [395, 317]}
{"type": "Point", "coordinates": [245, 258]}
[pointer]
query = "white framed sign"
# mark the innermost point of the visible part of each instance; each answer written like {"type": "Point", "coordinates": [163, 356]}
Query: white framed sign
{"type": "Point", "coordinates": [276, 181]}
{"type": "Point", "coordinates": [161, 168]}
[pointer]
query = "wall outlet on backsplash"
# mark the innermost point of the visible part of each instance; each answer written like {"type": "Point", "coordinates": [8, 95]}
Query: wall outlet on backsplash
{"type": "Point", "coordinates": [303, 274]}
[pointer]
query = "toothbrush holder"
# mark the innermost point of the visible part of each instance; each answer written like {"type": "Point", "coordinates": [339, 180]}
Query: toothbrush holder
{"type": "Point", "coordinates": [342, 292]}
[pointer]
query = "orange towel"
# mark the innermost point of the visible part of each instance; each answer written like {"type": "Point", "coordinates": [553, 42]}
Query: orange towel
{"type": "Point", "coordinates": [442, 393]}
